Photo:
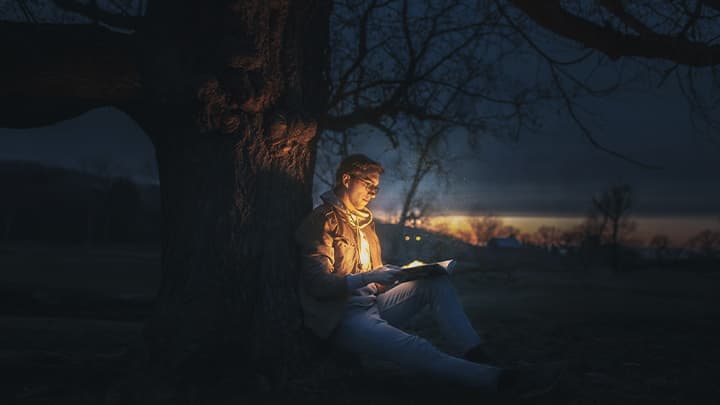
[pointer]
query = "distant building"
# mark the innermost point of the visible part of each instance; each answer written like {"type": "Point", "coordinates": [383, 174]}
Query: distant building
{"type": "Point", "coordinates": [509, 242]}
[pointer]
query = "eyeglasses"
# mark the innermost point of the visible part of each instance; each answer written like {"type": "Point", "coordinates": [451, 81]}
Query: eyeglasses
{"type": "Point", "coordinates": [369, 186]}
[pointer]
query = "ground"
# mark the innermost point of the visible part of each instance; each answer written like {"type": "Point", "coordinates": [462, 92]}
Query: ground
{"type": "Point", "coordinates": [646, 336]}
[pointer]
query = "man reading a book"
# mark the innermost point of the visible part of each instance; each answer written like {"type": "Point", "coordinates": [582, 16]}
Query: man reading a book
{"type": "Point", "coordinates": [353, 300]}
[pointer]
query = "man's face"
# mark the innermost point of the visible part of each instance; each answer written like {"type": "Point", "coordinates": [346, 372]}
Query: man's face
{"type": "Point", "coordinates": [361, 189]}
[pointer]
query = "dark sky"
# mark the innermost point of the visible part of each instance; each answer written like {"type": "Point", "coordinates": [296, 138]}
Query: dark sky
{"type": "Point", "coordinates": [554, 172]}
{"type": "Point", "coordinates": [551, 172]}
{"type": "Point", "coordinates": [102, 137]}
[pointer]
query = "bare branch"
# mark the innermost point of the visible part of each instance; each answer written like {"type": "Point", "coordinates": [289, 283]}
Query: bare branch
{"type": "Point", "coordinates": [95, 13]}
{"type": "Point", "coordinates": [586, 131]}
{"type": "Point", "coordinates": [66, 70]}
{"type": "Point", "coordinates": [362, 52]}
{"type": "Point", "coordinates": [692, 20]}
{"type": "Point", "coordinates": [416, 47]}
{"type": "Point", "coordinates": [616, 8]}
{"type": "Point", "coordinates": [26, 11]}
{"type": "Point", "coordinates": [553, 17]}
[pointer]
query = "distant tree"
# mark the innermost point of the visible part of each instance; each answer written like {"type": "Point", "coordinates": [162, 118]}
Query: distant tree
{"type": "Point", "coordinates": [590, 235]}
{"type": "Point", "coordinates": [527, 239]}
{"type": "Point", "coordinates": [421, 209]}
{"type": "Point", "coordinates": [572, 237]}
{"type": "Point", "coordinates": [661, 244]}
{"type": "Point", "coordinates": [485, 228]}
{"type": "Point", "coordinates": [547, 236]}
{"type": "Point", "coordinates": [614, 206]}
{"type": "Point", "coordinates": [660, 241]}
{"type": "Point", "coordinates": [594, 226]}
{"type": "Point", "coordinates": [508, 231]}
{"type": "Point", "coordinates": [706, 242]}
{"type": "Point", "coordinates": [428, 155]}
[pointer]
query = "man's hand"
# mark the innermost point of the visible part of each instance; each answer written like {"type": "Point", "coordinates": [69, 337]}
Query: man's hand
{"type": "Point", "coordinates": [387, 275]}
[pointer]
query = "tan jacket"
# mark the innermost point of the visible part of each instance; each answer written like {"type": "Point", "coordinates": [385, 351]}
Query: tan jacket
{"type": "Point", "coordinates": [329, 243]}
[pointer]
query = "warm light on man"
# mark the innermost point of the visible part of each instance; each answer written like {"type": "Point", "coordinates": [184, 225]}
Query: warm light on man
{"type": "Point", "coordinates": [353, 301]}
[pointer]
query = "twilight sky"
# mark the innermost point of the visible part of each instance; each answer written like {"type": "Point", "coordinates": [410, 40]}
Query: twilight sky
{"type": "Point", "coordinates": [549, 177]}
{"type": "Point", "coordinates": [551, 173]}
{"type": "Point", "coordinates": [554, 171]}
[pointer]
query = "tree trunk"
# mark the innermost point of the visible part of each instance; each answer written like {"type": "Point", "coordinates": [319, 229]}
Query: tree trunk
{"type": "Point", "coordinates": [233, 101]}
{"type": "Point", "coordinates": [421, 169]}
{"type": "Point", "coordinates": [615, 246]}
{"type": "Point", "coordinates": [230, 208]}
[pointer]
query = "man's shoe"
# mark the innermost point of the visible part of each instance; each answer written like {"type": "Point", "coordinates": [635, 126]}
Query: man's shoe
{"type": "Point", "coordinates": [530, 381]}
{"type": "Point", "coordinates": [478, 354]}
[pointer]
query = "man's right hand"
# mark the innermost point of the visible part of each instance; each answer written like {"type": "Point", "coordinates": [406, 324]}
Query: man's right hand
{"type": "Point", "coordinates": [387, 274]}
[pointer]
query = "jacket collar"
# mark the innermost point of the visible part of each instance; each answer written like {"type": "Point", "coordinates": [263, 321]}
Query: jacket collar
{"type": "Point", "coordinates": [358, 219]}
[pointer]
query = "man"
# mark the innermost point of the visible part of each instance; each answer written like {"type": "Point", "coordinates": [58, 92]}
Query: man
{"type": "Point", "coordinates": [355, 302]}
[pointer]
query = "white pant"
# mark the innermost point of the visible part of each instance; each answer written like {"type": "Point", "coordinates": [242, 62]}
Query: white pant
{"type": "Point", "coordinates": [373, 331]}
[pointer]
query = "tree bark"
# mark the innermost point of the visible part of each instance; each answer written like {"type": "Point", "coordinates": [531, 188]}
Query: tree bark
{"type": "Point", "coordinates": [234, 122]}
{"type": "Point", "coordinates": [230, 207]}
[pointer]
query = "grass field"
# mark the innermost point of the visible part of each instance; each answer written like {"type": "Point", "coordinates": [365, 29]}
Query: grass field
{"type": "Point", "coordinates": [641, 337]}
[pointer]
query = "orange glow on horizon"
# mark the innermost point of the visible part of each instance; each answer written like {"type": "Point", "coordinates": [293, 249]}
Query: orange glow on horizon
{"type": "Point", "coordinates": [678, 229]}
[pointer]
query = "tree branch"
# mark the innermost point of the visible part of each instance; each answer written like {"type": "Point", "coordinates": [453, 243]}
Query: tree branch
{"type": "Point", "coordinates": [616, 7]}
{"type": "Point", "coordinates": [551, 16]}
{"type": "Point", "coordinates": [96, 14]}
{"type": "Point", "coordinates": [712, 4]}
{"type": "Point", "coordinates": [586, 131]}
{"type": "Point", "coordinates": [362, 51]}
{"type": "Point", "coordinates": [60, 71]}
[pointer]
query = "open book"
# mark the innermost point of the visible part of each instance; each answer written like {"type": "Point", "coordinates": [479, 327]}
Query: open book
{"type": "Point", "coordinates": [417, 269]}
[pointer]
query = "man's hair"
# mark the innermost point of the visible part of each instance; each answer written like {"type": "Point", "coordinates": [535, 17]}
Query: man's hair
{"type": "Point", "coordinates": [356, 165]}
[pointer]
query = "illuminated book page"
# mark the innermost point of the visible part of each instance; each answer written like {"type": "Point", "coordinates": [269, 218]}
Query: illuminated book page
{"type": "Point", "coordinates": [417, 269]}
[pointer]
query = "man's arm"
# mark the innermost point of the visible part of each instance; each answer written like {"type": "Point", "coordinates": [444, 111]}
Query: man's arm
{"type": "Point", "coordinates": [318, 256]}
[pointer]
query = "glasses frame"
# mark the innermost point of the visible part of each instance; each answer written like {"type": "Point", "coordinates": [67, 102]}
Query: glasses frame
{"type": "Point", "coordinates": [369, 186]}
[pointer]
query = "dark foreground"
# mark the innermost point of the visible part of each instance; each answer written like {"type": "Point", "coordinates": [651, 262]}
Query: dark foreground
{"type": "Point", "coordinates": [642, 337]}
